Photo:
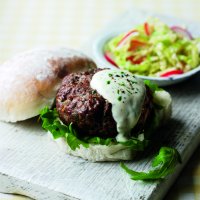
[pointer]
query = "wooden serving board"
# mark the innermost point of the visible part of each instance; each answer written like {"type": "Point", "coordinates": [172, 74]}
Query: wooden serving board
{"type": "Point", "coordinates": [33, 165]}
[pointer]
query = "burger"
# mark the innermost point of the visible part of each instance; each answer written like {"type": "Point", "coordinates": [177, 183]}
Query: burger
{"type": "Point", "coordinates": [96, 114]}
{"type": "Point", "coordinates": [105, 114]}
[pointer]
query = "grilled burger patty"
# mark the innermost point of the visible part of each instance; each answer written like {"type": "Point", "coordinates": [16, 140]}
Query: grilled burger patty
{"type": "Point", "coordinates": [90, 113]}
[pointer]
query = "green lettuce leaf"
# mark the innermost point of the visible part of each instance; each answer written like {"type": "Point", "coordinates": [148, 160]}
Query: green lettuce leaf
{"type": "Point", "coordinates": [136, 144]}
{"type": "Point", "coordinates": [164, 164]}
{"type": "Point", "coordinates": [98, 140]}
{"type": "Point", "coordinates": [152, 86]}
{"type": "Point", "coordinates": [72, 139]}
{"type": "Point", "coordinates": [51, 122]}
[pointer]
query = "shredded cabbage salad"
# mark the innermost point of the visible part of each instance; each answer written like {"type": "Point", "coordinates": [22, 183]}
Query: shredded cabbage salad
{"type": "Point", "coordinates": [154, 49]}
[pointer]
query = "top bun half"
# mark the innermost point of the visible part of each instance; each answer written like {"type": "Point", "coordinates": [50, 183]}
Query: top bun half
{"type": "Point", "coordinates": [29, 81]}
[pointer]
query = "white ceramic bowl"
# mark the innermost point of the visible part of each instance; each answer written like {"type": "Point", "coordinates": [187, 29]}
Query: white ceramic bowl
{"type": "Point", "coordinates": [98, 53]}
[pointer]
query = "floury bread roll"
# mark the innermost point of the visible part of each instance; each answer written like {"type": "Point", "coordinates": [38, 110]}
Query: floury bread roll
{"type": "Point", "coordinates": [106, 115]}
{"type": "Point", "coordinates": [29, 81]}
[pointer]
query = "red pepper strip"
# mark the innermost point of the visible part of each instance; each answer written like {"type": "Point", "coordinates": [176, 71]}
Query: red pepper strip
{"type": "Point", "coordinates": [171, 73]}
{"type": "Point", "coordinates": [107, 56]}
{"type": "Point", "coordinates": [131, 59]}
{"type": "Point", "coordinates": [147, 29]}
{"type": "Point", "coordinates": [126, 36]}
{"type": "Point", "coordinates": [134, 44]}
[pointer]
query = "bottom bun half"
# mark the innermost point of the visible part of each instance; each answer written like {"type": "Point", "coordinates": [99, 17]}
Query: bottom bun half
{"type": "Point", "coordinates": [116, 152]}
{"type": "Point", "coordinates": [97, 153]}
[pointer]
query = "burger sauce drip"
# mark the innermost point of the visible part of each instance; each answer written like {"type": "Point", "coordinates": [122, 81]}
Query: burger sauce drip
{"type": "Point", "coordinates": [126, 94]}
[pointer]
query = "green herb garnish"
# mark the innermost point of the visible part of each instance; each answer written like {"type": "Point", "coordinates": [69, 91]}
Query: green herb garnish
{"type": "Point", "coordinates": [108, 82]}
{"type": "Point", "coordinates": [94, 92]}
{"type": "Point", "coordinates": [164, 164]}
{"type": "Point", "coordinates": [119, 98]}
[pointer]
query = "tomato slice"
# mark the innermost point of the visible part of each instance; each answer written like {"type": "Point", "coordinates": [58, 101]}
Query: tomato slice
{"type": "Point", "coordinates": [172, 72]}
{"type": "Point", "coordinates": [108, 57]}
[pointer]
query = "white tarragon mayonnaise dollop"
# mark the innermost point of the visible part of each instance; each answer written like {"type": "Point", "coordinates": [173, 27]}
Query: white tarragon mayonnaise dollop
{"type": "Point", "coordinates": [126, 94]}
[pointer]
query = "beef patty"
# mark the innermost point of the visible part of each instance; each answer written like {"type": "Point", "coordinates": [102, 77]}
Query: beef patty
{"type": "Point", "coordinates": [90, 113]}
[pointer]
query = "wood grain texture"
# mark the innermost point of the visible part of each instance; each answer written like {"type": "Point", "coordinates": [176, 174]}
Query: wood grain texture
{"type": "Point", "coordinates": [33, 165]}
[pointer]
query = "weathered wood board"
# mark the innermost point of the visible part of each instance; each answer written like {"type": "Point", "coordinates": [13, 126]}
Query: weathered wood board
{"type": "Point", "coordinates": [33, 165]}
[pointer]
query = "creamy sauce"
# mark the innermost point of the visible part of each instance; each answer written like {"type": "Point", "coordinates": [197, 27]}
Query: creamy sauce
{"type": "Point", "coordinates": [126, 94]}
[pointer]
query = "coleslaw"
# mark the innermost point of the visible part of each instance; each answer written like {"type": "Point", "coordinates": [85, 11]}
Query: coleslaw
{"type": "Point", "coordinates": [154, 49]}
